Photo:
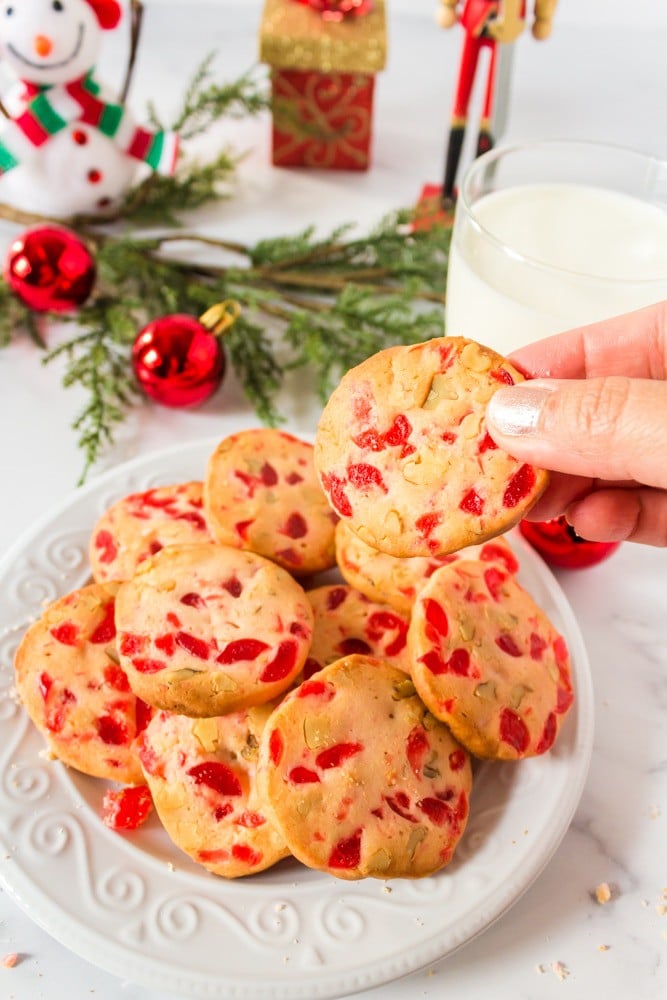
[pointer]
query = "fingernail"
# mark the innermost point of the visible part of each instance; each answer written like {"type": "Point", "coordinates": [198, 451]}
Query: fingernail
{"type": "Point", "coordinates": [516, 410]}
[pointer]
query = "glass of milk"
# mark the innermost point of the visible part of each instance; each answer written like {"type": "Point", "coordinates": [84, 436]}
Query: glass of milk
{"type": "Point", "coordinates": [552, 235]}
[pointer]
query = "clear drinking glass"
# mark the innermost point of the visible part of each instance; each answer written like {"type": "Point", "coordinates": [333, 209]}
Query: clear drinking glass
{"type": "Point", "coordinates": [555, 234]}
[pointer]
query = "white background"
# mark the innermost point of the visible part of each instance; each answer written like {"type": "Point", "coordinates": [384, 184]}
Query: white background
{"type": "Point", "coordinates": [602, 75]}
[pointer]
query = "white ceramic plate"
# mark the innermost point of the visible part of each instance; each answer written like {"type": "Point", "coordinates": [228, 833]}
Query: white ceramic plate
{"type": "Point", "coordinates": [136, 906]}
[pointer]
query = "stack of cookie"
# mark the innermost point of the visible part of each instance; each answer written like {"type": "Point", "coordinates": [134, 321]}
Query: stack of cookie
{"type": "Point", "coordinates": [273, 713]}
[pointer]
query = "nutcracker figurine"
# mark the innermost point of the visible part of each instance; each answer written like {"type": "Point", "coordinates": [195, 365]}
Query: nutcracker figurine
{"type": "Point", "coordinates": [486, 24]}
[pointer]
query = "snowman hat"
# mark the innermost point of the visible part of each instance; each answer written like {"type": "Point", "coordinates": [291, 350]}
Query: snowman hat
{"type": "Point", "coordinates": [108, 12]}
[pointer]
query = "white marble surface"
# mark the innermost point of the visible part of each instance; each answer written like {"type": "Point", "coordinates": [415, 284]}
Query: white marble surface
{"type": "Point", "coordinates": [607, 83]}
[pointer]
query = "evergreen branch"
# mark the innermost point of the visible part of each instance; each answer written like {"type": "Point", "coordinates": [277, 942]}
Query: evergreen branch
{"type": "Point", "coordinates": [206, 102]}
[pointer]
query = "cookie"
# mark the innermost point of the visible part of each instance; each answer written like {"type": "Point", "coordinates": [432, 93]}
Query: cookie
{"type": "Point", "coordinates": [209, 629]}
{"type": "Point", "coordinates": [142, 524]}
{"type": "Point", "coordinates": [397, 582]}
{"type": "Point", "coordinates": [487, 661]}
{"type": "Point", "coordinates": [404, 456]}
{"type": "Point", "coordinates": [262, 493]}
{"type": "Point", "coordinates": [361, 779]}
{"type": "Point", "coordinates": [347, 622]}
{"type": "Point", "coordinates": [70, 683]}
{"type": "Point", "coordinates": [201, 773]}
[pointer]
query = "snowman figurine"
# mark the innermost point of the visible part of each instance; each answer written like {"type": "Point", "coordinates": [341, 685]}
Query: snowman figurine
{"type": "Point", "coordinates": [67, 147]}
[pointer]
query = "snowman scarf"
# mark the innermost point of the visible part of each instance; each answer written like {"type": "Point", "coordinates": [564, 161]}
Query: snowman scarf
{"type": "Point", "coordinates": [51, 109]}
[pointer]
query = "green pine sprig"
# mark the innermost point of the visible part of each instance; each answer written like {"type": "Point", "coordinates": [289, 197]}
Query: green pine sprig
{"type": "Point", "coordinates": [309, 303]}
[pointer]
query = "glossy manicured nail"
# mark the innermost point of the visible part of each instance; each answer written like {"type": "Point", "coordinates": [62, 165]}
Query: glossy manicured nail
{"type": "Point", "coordinates": [516, 411]}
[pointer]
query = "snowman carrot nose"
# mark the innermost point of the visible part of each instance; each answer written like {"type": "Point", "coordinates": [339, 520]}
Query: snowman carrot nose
{"type": "Point", "coordinates": [43, 46]}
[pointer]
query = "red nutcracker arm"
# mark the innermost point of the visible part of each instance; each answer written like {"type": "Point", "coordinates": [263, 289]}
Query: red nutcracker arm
{"type": "Point", "coordinates": [485, 24]}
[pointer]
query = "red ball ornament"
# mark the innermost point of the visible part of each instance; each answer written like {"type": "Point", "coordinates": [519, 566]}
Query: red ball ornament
{"type": "Point", "coordinates": [560, 545]}
{"type": "Point", "coordinates": [50, 269]}
{"type": "Point", "coordinates": [337, 10]}
{"type": "Point", "coordinates": [178, 361]}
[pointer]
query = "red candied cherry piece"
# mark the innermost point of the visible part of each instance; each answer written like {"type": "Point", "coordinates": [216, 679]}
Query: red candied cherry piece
{"type": "Point", "coordinates": [335, 598]}
{"type": "Point", "coordinates": [334, 756]}
{"type": "Point", "coordinates": [519, 486]}
{"type": "Point", "coordinates": [166, 643]}
{"type": "Point", "coordinates": [416, 748]}
{"type": "Point", "coordinates": [104, 540]}
{"type": "Point", "coordinates": [131, 644]}
{"type": "Point", "coordinates": [371, 439]}
{"type": "Point", "coordinates": [194, 600]}
{"type": "Point", "coordinates": [508, 644]}
{"type": "Point", "coordinates": [496, 553]}
{"type": "Point", "coordinates": [514, 731]}
{"type": "Point", "coordinates": [347, 852]}
{"type": "Point", "coordinates": [111, 731]}
{"type": "Point", "coordinates": [106, 630]}
{"type": "Point", "coordinates": [191, 644]}
{"type": "Point", "coordinates": [126, 809]}
{"type": "Point", "coordinates": [303, 776]}
{"type": "Point", "coordinates": [399, 431]}
{"type": "Point", "coordinates": [295, 526]}
{"type": "Point", "coordinates": [548, 736]}
{"type": "Point", "coordinates": [335, 487]}
{"type": "Point", "coordinates": [246, 854]}
{"type": "Point", "coordinates": [143, 715]}
{"type": "Point", "coordinates": [502, 375]}
{"type": "Point", "coordinates": [472, 503]}
{"type": "Point", "coordinates": [494, 578]}
{"type": "Point", "coordinates": [66, 634]}
{"type": "Point", "coordinates": [385, 621]}
{"type": "Point", "coordinates": [251, 820]}
{"type": "Point", "coordinates": [436, 617]}
{"type": "Point", "coordinates": [242, 528]}
{"type": "Point", "coordinates": [487, 444]}
{"type": "Point", "coordinates": [282, 663]}
{"type": "Point", "coordinates": [268, 475]}
{"type": "Point", "coordinates": [363, 476]}
{"type": "Point", "coordinates": [217, 776]}
{"type": "Point", "coordinates": [400, 804]}
{"type": "Point", "coordinates": [437, 811]}
{"type": "Point", "coordinates": [317, 689]}
{"type": "Point", "coordinates": [276, 746]}
{"type": "Point", "coordinates": [457, 759]}
{"type": "Point", "coordinates": [193, 518]}
{"type": "Point", "coordinates": [145, 665]}
{"type": "Point", "coordinates": [241, 649]}
{"type": "Point", "coordinates": [427, 523]}
{"type": "Point", "coordinates": [116, 677]}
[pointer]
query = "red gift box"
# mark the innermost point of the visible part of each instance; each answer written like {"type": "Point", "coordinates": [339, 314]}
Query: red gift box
{"type": "Point", "coordinates": [323, 80]}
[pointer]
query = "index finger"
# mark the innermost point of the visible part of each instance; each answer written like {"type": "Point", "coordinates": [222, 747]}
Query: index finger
{"type": "Point", "coordinates": [634, 345]}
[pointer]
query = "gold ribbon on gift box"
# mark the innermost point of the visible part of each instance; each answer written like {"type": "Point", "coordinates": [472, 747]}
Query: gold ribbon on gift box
{"type": "Point", "coordinates": [294, 36]}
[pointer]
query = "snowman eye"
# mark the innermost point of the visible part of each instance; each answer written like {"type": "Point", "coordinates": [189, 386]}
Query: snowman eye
{"type": "Point", "coordinates": [57, 5]}
{"type": "Point", "coordinates": [9, 12]}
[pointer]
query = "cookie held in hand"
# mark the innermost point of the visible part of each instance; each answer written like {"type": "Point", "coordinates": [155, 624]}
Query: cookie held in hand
{"type": "Point", "coordinates": [403, 452]}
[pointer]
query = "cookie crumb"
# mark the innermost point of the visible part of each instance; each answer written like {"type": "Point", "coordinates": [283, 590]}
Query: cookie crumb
{"type": "Point", "coordinates": [171, 866]}
{"type": "Point", "coordinates": [10, 960]}
{"type": "Point", "coordinates": [279, 907]}
{"type": "Point", "coordinates": [660, 909]}
{"type": "Point", "coordinates": [603, 893]}
{"type": "Point", "coordinates": [645, 903]}
{"type": "Point", "coordinates": [387, 889]}
{"type": "Point", "coordinates": [604, 947]}
{"type": "Point", "coordinates": [561, 970]}
{"type": "Point", "coordinates": [541, 969]}
{"type": "Point", "coordinates": [654, 812]}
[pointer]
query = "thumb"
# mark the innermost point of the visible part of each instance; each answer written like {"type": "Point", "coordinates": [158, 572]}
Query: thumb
{"type": "Point", "coordinates": [612, 428]}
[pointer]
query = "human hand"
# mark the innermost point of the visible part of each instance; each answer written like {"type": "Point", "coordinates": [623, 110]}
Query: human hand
{"type": "Point", "coordinates": [595, 414]}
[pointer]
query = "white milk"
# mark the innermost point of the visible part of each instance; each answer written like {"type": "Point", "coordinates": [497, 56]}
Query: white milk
{"type": "Point", "coordinates": [593, 253]}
